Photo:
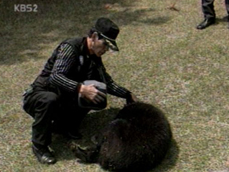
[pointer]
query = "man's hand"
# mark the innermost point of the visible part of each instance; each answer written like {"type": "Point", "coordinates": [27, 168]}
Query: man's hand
{"type": "Point", "coordinates": [90, 93]}
{"type": "Point", "coordinates": [131, 99]}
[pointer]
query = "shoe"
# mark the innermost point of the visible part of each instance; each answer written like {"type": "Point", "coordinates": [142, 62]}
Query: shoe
{"type": "Point", "coordinates": [74, 135]}
{"type": "Point", "coordinates": [207, 22]}
{"type": "Point", "coordinates": [44, 155]}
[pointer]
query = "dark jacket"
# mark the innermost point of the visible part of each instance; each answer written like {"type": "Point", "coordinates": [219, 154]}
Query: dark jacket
{"type": "Point", "coordinates": [68, 67]}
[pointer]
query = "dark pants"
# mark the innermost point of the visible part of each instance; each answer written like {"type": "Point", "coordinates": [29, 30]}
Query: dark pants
{"type": "Point", "coordinates": [48, 110]}
{"type": "Point", "coordinates": [208, 8]}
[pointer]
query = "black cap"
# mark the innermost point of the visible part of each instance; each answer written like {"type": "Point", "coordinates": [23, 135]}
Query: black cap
{"type": "Point", "coordinates": [108, 30]}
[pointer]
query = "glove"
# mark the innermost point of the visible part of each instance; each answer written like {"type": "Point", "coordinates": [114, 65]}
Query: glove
{"type": "Point", "coordinates": [131, 98]}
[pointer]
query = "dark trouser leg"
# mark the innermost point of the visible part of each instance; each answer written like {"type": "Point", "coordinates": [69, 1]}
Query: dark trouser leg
{"type": "Point", "coordinates": [42, 106]}
{"type": "Point", "coordinates": [208, 8]}
{"type": "Point", "coordinates": [227, 8]}
{"type": "Point", "coordinates": [76, 119]}
{"type": "Point", "coordinates": [69, 117]}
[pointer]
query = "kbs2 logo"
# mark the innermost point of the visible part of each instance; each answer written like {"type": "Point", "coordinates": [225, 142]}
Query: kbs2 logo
{"type": "Point", "coordinates": [25, 8]}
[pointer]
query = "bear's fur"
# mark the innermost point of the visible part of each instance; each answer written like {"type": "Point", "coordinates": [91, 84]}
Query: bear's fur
{"type": "Point", "coordinates": [136, 140]}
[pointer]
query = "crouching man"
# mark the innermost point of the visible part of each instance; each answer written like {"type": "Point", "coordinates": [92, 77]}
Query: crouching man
{"type": "Point", "coordinates": [73, 81]}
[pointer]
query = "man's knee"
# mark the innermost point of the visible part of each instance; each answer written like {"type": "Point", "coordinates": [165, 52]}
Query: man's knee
{"type": "Point", "coordinates": [46, 106]}
{"type": "Point", "coordinates": [42, 102]}
{"type": "Point", "coordinates": [48, 98]}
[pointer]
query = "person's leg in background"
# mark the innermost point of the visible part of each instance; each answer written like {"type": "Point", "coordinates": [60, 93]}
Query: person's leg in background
{"type": "Point", "coordinates": [209, 14]}
{"type": "Point", "coordinates": [227, 8]}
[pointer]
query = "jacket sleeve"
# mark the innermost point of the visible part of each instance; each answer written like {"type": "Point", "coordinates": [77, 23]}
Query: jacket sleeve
{"type": "Point", "coordinates": [66, 58]}
{"type": "Point", "coordinates": [113, 88]}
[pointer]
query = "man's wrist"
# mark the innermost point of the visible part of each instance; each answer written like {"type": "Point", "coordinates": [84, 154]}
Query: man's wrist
{"type": "Point", "coordinates": [128, 95]}
{"type": "Point", "coordinates": [79, 87]}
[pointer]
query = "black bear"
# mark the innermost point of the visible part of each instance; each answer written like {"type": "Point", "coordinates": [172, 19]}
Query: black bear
{"type": "Point", "coordinates": [136, 140]}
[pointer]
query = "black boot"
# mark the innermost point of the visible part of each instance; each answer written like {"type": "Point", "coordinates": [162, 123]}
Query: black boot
{"type": "Point", "coordinates": [207, 22]}
{"type": "Point", "coordinates": [43, 154]}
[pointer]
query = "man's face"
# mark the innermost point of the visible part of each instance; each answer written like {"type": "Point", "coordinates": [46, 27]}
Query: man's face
{"type": "Point", "coordinates": [99, 46]}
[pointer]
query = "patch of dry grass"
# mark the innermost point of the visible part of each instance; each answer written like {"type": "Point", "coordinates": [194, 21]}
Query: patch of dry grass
{"type": "Point", "coordinates": [164, 60]}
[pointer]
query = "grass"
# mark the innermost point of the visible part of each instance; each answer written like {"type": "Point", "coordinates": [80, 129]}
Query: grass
{"type": "Point", "coordinates": [163, 59]}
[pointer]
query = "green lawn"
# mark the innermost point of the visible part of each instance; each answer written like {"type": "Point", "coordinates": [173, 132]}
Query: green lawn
{"type": "Point", "coordinates": [163, 59]}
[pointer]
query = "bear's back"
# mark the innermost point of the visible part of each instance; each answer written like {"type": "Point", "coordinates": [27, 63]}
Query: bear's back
{"type": "Point", "coordinates": [138, 138]}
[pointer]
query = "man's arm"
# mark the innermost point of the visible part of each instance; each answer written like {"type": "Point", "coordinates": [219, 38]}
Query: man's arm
{"type": "Point", "coordinates": [114, 89]}
{"type": "Point", "coordinates": [65, 60]}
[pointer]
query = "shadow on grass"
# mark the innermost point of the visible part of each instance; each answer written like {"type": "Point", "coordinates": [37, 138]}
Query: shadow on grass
{"type": "Point", "coordinates": [34, 35]}
{"type": "Point", "coordinates": [222, 20]}
{"type": "Point", "coordinates": [91, 125]}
